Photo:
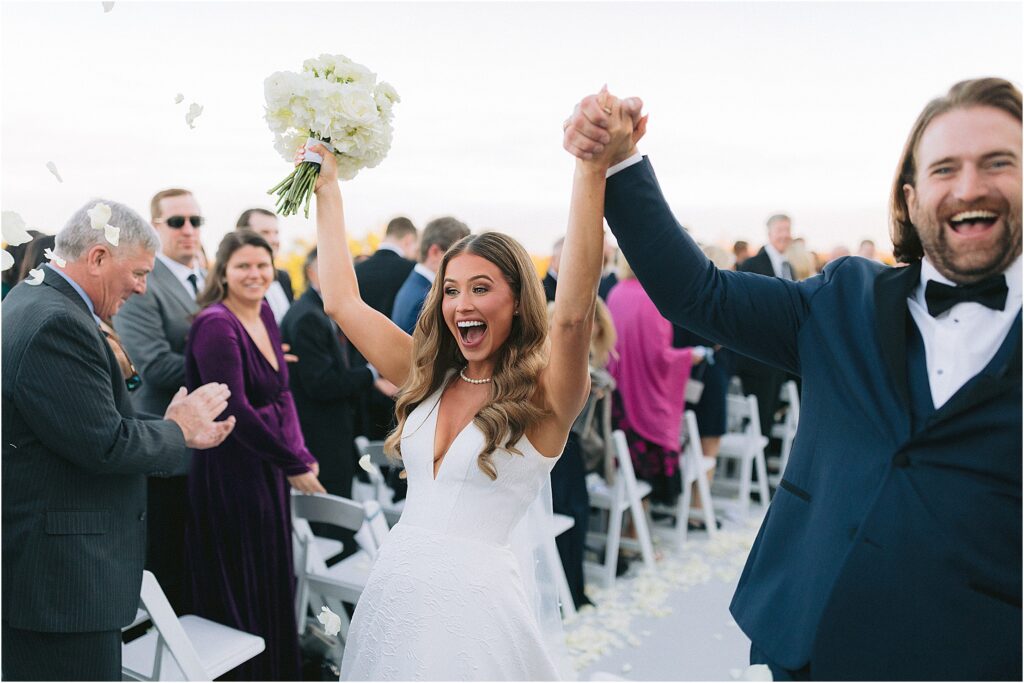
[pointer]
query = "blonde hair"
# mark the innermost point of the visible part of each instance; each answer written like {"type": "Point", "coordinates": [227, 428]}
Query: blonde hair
{"type": "Point", "coordinates": [510, 409]}
{"type": "Point", "coordinates": [625, 271]}
{"type": "Point", "coordinates": [801, 260]}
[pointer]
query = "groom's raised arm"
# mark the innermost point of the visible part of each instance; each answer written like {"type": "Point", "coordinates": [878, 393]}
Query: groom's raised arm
{"type": "Point", "coordinates": [756, 315]}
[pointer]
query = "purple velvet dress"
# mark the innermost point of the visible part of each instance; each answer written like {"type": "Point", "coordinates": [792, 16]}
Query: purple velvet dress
{"type": "Point", "coordinates": [239, 533]}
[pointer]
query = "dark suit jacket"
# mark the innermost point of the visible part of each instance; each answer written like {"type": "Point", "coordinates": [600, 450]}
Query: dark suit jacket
{"type": "Point", "coordinates": [325, 388]}
{"type": "Point", "coordinates": [409, 301]}
{"type": "Point", "coordinates": [380, 277]}
{"type": "Point", "coordinates": [153, 328]}
{"type": "Point", "coordinates": [893, 548]}
{"type": "Point", "coordinates": [75, 460]}
{"type": "Point", "coordinates": [550, 284]}
{"type": "Point", "coordinates": [759, 263]}
{"type": "Point", "coordinates": [286, 284]}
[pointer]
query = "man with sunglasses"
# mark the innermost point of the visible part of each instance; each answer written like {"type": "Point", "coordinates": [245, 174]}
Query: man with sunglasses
{"type": "Point", "coordinates": [153, 328]}
{"type": "Point", "coordinates": [76, 455]}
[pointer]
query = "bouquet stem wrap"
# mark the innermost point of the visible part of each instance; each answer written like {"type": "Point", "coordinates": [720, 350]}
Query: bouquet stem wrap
{"type": "Point", "coordinates": [297, 188]}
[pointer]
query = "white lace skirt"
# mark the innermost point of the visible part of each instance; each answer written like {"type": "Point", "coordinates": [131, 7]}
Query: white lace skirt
{"type": "Point", "coordinates": [440, 607]}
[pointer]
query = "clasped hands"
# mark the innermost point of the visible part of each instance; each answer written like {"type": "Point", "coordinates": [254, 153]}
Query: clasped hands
{"type": "Point", "coordinates": [603, 130]}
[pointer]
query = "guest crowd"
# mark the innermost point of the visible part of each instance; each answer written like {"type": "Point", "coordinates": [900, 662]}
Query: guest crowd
{"type": "Point", "coordinates": [291, 395]}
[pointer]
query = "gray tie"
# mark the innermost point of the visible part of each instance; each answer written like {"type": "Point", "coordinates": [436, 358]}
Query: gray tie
{"type": "Point", "coordinates": [787, 271]}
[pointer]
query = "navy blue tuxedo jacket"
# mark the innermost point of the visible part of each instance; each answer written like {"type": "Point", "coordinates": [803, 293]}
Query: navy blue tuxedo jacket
{"type": "Point", "coordinates": [409, 301]}
{"type": "Point", "coordinates": [893, 547]}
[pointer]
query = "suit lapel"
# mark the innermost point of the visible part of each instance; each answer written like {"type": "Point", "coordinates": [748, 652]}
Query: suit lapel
{"type": "Point", "coordinates": [162, 274]}
{"type": "Point", "coordinates": [892, 286]}
{"type": "Point", "coordinates": [1001, 374]}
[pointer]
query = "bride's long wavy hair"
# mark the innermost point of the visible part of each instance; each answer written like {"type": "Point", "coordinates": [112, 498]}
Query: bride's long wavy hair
{"type": "Point", "coordinates": [510, 410]}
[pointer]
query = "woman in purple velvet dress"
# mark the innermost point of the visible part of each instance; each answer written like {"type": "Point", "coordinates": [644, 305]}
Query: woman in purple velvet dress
{"type": "Point", "coordinates": [239, 533]}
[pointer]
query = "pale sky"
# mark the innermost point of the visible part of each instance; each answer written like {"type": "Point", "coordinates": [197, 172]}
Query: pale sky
{"type": "Point", "coordinates": [756, 107]}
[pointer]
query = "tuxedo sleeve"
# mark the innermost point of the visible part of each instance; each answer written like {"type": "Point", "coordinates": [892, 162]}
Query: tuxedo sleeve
{"type": "Point", "coordinates": [755, 315]}
{"type": "Point", "coordinates": [63, 388]}
{"type": "Point", "coordinates": [320, 366]}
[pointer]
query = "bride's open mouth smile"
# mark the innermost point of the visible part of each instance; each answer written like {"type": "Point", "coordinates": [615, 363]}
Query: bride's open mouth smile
{"type": "Point", "coordinates": [471, 332]}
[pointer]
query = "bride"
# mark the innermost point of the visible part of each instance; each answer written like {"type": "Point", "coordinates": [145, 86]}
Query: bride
{"type": "Point", "coordinates": [487, 398]}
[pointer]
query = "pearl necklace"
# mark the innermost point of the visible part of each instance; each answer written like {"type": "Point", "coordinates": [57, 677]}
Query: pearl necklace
{"type": "Point", "coordinates": [462, 374]}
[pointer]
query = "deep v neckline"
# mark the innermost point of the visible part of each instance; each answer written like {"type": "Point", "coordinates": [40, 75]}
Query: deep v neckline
{"type": "Point", "coordinates": [435, 463]}
{"type": "Point", "coordinates": [252, 340]}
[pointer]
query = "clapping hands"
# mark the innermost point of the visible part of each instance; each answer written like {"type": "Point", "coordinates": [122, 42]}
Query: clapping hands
{"type": "Point", "coordinates": [603, 129]}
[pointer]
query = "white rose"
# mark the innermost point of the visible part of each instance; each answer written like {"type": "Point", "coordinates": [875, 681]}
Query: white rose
{"type": "Point", "coordinates": [6, 260]}
{"type": "Point", "coordinates": [357, 105]}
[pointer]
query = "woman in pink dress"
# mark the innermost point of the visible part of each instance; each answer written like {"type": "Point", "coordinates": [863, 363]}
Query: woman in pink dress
{"type": "Point", "coordinates": [651, 378]}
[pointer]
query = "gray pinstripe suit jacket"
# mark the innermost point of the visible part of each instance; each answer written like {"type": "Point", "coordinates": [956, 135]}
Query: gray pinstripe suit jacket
{"type": "Point", "coordinates": [74, 465]}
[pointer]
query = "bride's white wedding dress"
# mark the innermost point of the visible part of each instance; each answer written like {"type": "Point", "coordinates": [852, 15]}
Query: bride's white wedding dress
{"type": "Point", "coordinates": [446, 599]}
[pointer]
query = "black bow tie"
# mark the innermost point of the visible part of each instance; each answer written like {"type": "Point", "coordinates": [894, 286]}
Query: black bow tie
{"type": "Point", "coordinates": [990, 292]}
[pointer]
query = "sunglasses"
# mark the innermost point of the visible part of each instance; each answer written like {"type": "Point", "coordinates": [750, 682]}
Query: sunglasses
{"type": "Point", "coordinates": [177, 222]}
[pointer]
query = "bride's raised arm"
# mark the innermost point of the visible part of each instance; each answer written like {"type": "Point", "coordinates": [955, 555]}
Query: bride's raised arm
{"type": "Point", "coordinates": [566, 380]}
{"type": "Point", "coordinates": [385, 345]}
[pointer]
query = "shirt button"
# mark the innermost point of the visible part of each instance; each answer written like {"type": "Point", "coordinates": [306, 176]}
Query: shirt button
{"type": "Point", "coordinates": [142, 516]}
{"type": "Point", "coordinates": [938, 372]}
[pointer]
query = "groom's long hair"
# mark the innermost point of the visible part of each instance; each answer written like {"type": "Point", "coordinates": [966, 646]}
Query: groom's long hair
{"type": "Point", "coordinates": [510, 410]}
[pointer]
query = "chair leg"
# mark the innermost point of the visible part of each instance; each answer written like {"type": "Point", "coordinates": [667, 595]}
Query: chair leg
{"type": "Point", "coordinates": [611, 551]}
{"type": "Point", "coordinates": [762, 478]}
{"type": "Point", "coordinates": [706, 506]}
{"type": "Point", "coordinates": [746, 474]}
{"type": "Point", "coordinates": [643, 531]}
{"type": "Point", "coordinates": [683, 512]}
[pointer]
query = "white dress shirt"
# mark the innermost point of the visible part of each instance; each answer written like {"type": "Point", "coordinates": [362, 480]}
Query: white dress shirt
{"type": "Point", "coordinates": [278, 300]}
{"type": "Point", "coordinates": [425, 272]}
{"type": "Point", "coordinates": [959, 343]}
{"type": "Point", "coordinates": [777, 260]}
{"type": "Point", "coordinates": [181, 272]}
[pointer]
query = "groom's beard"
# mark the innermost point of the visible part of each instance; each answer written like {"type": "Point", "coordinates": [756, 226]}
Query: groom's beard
{"type": "Point", "coordinates": [965, 265]}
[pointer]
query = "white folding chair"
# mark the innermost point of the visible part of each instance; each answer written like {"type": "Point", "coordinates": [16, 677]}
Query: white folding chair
{"type": "Point", "coordinates": [187, 649]}
{"type": "Point", "coordinates": [380, 491]}
{"type": "Point", "coordinates": [559, 525]}
{"type": "Point", "coordinates": [625, 494]}
{"type": "Point", "coordinates": [695, 467]}
{"type": "Point", "coordinates": [786, 430]}
{"type": "Point", "coordinates": [318, 585]}
{"type": "Point", "coordinates": [747, 446]}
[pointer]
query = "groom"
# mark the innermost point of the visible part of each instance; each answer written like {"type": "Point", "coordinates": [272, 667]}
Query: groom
{"type": "Point", "coordinates": [893, 548]}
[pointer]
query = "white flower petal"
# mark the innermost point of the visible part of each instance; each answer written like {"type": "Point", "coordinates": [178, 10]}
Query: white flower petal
{"type": "Point", "coordinates": [365, 463]}
{"type": "Point", "coordinates": [6, 260]}
{"type": "Point", "coordinates": [107, 6]}
{"type": "Point", "coordinates": [112, 234]}
{"type": "Point", "coordinates": [52, 167]}
{"type": "Point", "coordinates": [194, 110]}
{"type": "Point", "coordinates": [48, 253]}
{"type": "Point", "coordinates": [35, 277]}
{"type": "Point", "coordinates": [330, 621]}
{"type": "Point", "coordinates": [757, 672]}
{"type": "Point", "coordinates": [99, 215]}
{"type": "Point", "coordinates": [179, 98]}
{"type": "Point", "coordinates": [13, 227]}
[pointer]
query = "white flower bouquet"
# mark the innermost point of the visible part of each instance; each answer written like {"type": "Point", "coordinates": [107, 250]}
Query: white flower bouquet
{"type": "Point", "coordinates": [333, 101]}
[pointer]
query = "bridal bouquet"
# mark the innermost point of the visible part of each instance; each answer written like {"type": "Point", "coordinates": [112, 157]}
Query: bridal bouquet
{"type": "Point", "coordinates": [335, 102]}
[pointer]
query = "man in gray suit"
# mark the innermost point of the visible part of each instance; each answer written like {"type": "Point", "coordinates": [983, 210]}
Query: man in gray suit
{"type": "Point", "coordinates": [153, 328]}
{"type": "Point", "coordinates": [75, 455]}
